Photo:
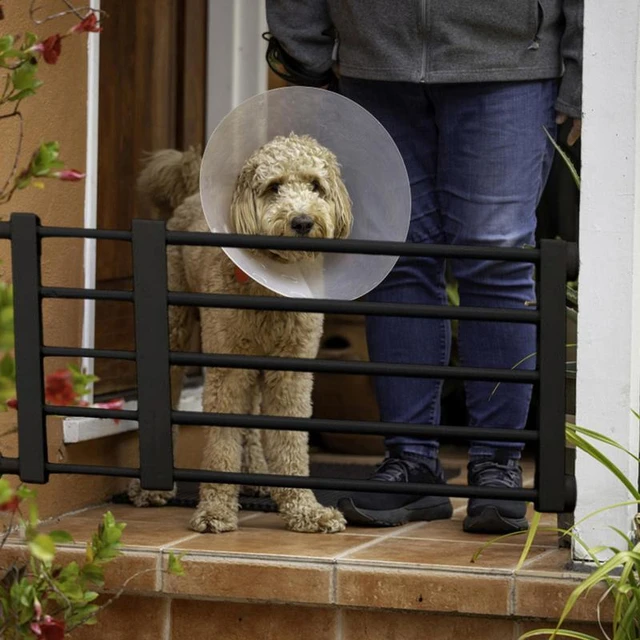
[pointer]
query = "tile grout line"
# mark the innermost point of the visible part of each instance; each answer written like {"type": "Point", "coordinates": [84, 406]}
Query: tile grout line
{"type": "Point", "coordinates": [512, 596]}
{"type": "Point", "coordinates": [336, 561]}
{"type": "Point", "coordinates": [543, 555]}
{"type": "Point", "coordinates": [168, 623]}
{"type": "Point", "coordinates": [339, 624]}
{"type": "Point", "coordinates": [159, 580]}
{"type": "Point", "coordinates": [395, 531]}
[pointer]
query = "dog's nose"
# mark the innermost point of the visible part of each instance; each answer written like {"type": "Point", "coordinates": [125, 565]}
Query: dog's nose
{"type": "Point", "coordinates": [302, 224]}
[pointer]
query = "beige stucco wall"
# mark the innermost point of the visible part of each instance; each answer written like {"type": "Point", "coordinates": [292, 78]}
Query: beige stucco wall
{"type": "Point", "coordinates": [58, 112]}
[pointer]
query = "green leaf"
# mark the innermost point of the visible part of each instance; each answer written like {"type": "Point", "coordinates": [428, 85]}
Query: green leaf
{"type": "Point", "coordinates": [33, 514]}
{"type": "Point", "coordinates": [6, 492]}
{"type": "Point", "coordinates": [565, 157]}
{"type": "Point", "coordinates": [43, 547]}
{"type": "Point", "coordinates": [533, 530]}
{"type": "Point", "coordinates": [29, 40]}
{"type": "Point", "coordinates": [6, 42]}
{"type": "Point", "coordinates": [8, 367]}
{"type": "Point", "coordinates": [557, 633]}
{"type": "Point", "coordinates": [174, 565]}
{"type": "Point", "coordinates": [588, 448]}
{"type": "Point", "coordinates": [24, 493]}
{"type": "Point", "coordinates": [69, 572]}
{"type": "Point", "coordinates": [21, 95]}
{"type": "Point", "coordinates": [24, 77]}
{"type": "Point", "coordinates": [61, 537]}
{"type": "Point", "coordinates": [601, 438]}
{"type": "Point", "coordinates": [93, 573]}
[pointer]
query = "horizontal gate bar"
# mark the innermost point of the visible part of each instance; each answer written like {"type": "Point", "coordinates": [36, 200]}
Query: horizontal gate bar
{"type": "Point", "coordinates": [91, 412]}
{"type": "Point", "coordinates": [363, 247]}
{"type": "Point", "coordinates": [347, 246]}
{"type": "Point", "coordinates": [197, 418]}
{"type": "Point", "coordinates": [85, 352]}
{"type": "Point", "coordinates": [308, 305]}
{"type": "Point", "coordinates": [315, 425]}
{"type": "Point", "coordinates": [69, 293]}
{"type": "Point", "coordinates": [10, 465]}
{"type": "Point", "coordinates": [73, 232]}
{"type": "Point", "coordinates": [269, 363]}
{"type": "Point", "coordinates": [367, 247]}
{"type": "Point", "coordinates": [348, 307]}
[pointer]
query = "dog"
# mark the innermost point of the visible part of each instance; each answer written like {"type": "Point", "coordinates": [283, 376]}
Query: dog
{"type": "Point", "coordinates": [291, 186]}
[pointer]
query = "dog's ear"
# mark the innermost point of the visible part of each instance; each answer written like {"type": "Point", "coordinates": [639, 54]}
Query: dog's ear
{"type": "Point", "coordinates": [342, 203]}
{"type": "Point", "coordinates": [243, 204]}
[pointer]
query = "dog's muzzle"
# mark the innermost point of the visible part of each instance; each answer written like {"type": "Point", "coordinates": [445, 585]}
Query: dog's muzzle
{"type": "Point", "coordinates": [302, 224]}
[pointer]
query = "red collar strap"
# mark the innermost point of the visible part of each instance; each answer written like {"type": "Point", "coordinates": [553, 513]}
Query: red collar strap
{"type": "Point", "coordinates": [241, 276]}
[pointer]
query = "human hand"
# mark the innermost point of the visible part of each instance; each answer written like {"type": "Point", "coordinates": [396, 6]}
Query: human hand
{"type": "Point", "coordinates": [576, 127]}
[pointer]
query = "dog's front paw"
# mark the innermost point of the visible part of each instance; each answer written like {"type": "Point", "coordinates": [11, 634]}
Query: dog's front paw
{"type": "Point", "coordinates": [207, 519]}
{"type": "Point", "coordinates": [315, 519]}
{"type": "Point", "coordinates": [142, 498]}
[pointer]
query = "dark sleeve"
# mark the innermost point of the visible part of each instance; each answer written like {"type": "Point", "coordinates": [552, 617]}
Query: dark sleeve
{"type": "Point", "coordinates": [304, 30]}
{"type": "Point", "coordinates": [570, 95]}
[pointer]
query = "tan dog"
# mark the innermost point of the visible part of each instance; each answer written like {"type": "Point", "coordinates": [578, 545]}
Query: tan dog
{"type": "Point", "coordinates": [289, 187]}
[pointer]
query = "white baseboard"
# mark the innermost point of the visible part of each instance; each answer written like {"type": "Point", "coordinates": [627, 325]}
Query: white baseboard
{"type": "Point", "coordinates": [83, 429]}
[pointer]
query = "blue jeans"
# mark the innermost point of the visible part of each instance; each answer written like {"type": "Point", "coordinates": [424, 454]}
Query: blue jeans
{"type": "Point", "coordinates": [477, 159]}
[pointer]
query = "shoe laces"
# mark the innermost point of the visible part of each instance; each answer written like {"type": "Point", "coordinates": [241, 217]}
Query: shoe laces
{"type": "Point", "coordinates": [495, 474]}
{"type": "Point", "coordinates": [399, 469]}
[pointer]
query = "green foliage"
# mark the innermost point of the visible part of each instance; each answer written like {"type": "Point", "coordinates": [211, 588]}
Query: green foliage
{"type": "Point", "coordinates": [41, 598]}
{"type": "Point", "coordinates": [619, 572]}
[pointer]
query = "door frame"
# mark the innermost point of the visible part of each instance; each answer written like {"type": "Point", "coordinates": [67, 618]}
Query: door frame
{"type": "Point", "coordinates": [236, 70]}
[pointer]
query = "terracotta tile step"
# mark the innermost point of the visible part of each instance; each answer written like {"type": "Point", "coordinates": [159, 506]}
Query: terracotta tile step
{"type": "Point", "coordinates": [419, 569]}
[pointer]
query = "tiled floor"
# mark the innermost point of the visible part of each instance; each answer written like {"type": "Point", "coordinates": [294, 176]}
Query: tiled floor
{"type": "Point", "coordinates": [421, 567]}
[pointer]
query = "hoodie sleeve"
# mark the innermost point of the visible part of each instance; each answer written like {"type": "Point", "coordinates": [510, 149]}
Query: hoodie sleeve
{"type": "Point", "coordinates": [304, 30]}
{"type": "Point", "coordinates": [570, 95]}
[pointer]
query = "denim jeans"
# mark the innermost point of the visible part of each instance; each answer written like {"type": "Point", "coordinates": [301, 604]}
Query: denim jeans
{"type": "Point", "coordinates": [478, 159]}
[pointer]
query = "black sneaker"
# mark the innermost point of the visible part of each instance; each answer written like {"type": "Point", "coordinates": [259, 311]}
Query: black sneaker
{"type": "Point", "coordinates": [393, 509]}
{"type": "Point", "coordinates": [485, 515]}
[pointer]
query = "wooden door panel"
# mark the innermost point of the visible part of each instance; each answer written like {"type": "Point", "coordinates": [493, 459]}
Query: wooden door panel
{"type": "Point", "coordinates": [152, 96]}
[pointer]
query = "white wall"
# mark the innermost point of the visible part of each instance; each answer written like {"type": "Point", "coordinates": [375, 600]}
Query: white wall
{"type": "Point", "coordinates": [608, 384]}
{"type": "Point", "coordinates": [236, 67]}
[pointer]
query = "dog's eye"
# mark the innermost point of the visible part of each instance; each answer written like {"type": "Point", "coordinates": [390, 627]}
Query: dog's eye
{"type": "Point", "coordinates": [315, 186]}
{"type": "Point", "coordinates": [274, 187]}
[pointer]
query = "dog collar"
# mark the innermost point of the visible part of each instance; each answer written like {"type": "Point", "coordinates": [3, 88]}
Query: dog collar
{"type": "Point", "coordinates": [241, 276]}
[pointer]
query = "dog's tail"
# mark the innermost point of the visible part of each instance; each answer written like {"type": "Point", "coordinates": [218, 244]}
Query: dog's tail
{"type": "Point", "coordinates": [169, 177]}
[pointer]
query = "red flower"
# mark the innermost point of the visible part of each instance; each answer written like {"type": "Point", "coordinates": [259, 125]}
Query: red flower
{"type": "Point", "coordinates": [59, 389]}
{"type": "Point", "coordinates": [70, 175]}
{"type": "Point", "coordinates": [88, 25]}
{"type": "Point", "coordinates": [11, 505]}
{"type": "Point", "coordinates": [48, 629]}
{"type": "Point", "coordinates": [117, 403]}
{"type": "Point", "coordinates": [13, 403]}
{"type": "Point", "coordinates": [50, 48]}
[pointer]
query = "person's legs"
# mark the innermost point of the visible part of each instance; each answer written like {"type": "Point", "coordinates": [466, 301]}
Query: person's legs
{"type": "Point", "coordinates": [494, 159]}
{"type": "Point", "coordinates": [406, 112]}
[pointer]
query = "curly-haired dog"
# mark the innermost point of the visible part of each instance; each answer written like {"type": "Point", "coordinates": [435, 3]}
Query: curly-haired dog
{"type": "Point", "coordinates": [291, 186]}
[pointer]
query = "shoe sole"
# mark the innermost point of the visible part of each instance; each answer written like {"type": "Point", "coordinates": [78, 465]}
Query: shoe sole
{"type": "Point", "coordinates": [489, 520]}
{"type": "Point", "coordinates": [415, 512]}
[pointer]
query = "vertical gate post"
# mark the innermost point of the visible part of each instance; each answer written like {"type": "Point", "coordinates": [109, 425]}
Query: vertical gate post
{"type": "Point", "coordinates": [550, 463]}
{"type": "Point", "coordinates": [152, 354]}
{"type": "Point", "coordinates": [27, 319]}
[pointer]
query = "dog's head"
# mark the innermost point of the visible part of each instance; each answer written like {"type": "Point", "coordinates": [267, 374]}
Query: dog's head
{"type": "Point", "coordinates": [291, 186]}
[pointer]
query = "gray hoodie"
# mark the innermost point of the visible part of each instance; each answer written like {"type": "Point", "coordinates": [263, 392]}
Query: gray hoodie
{"type": "Point", "coordinates": [435, 41]}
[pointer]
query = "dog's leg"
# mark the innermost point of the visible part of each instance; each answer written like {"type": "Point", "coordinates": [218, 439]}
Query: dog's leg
{"type": "Point", "coordinates": [253, 460]}
{"type": "Point", "coordinates": [287, 453]}
{"type": "Point", "coordinates": [182, 322]}
{"type": "Point", "coordinates": [225, 391]}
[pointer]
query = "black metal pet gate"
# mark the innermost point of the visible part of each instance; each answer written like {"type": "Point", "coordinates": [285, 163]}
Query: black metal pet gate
{"type": "Point", "coordinates": [556, 261]}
